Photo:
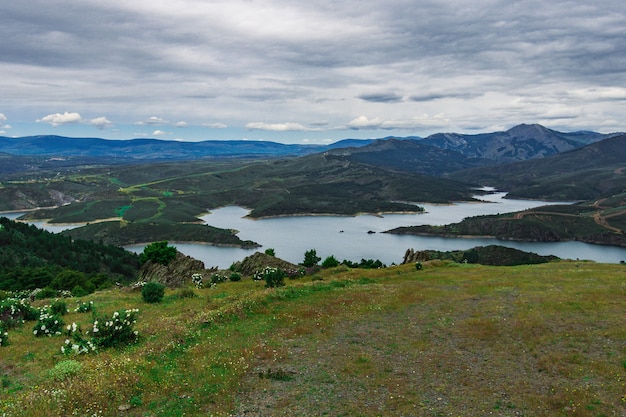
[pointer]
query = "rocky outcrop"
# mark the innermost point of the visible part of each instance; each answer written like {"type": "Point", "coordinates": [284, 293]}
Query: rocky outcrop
{"type": "Point", "coordinates": [412, 256]}
{"type": "Point", "coordinates": [176, 274]}
{"type": "Point", "coordinates": [259, 260]}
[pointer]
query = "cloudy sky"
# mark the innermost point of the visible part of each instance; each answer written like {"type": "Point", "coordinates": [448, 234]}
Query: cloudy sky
{"type": "Point", "coordinates": [314, 71]}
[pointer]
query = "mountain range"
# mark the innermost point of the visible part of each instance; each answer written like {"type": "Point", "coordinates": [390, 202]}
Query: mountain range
{"type": "Point", "coordinates": [518, 143]}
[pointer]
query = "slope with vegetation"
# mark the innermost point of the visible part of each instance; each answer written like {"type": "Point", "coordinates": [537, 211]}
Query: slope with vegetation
{"type": "Point", "coordinates": [600, 222]}
{"type": "Point", "coordinates": [449, 339]}
{"type": "Point", "coordinates": [32, 258]}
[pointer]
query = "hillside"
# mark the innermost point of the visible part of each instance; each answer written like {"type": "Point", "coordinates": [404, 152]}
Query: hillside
{"type": "Point", "coordinates": [582, 174]}
{"type": "Point", "coordinates": [163, 195]}
{"type": "Point", "coordinates": [450, 339]}
{"type": "Point", "coordinates": [600, 222]}
{"type": "Point", "coordinates": [33, 258]}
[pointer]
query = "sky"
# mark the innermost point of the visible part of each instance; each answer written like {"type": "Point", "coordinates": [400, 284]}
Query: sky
{"type": "Point", "coordinates": [309, 72]}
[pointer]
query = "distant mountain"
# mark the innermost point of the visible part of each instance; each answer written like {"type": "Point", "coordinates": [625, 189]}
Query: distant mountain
{"type": "Point", "coordinates": [410, 156]}
{"type": "Point", "coordinates": [581, 174]}
{"type": "Point", "coordinates": [519, 143]}
{"type": "Point", "coordinates": [438, 154]}
{"type": "Point", "coordinates": [149, 149]}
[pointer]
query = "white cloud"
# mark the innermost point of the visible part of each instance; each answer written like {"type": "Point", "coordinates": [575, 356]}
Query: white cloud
{"type": "Point", "coordinates": [159, 133]}
{"type": "Point", "coordinates": [215, 125]}
{"type": "Point", "coordinates": [363, 122]}
{"type": "Point", "coordinates": [101, 122]}
{"type": "Point", "coordinates": [58, 119]}
{"type": "Point", "coordinates": [3, 119]}
{"type": "Point", "coordinates": [277, 127]}
{"type": "Point", "coordinates": [153, 121]}
{"type": "Point", "coordinates": [181, 124]}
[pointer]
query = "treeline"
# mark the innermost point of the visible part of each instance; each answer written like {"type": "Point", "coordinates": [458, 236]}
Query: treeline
{"type": "Point", "coordinates": [34, 258]}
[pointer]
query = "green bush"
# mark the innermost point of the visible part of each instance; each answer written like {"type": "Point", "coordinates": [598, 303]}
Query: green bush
{"type": "Point", "coordinates": [418, 266]}
{"type": "Point", "coordinates": [270, 252]}
{"type": "Point", "coordinates": [158, 252]}
{"type": "Point", "coordinates": [58, 307]}
{"type": "Point", "coordinates": [65, 369]}
{"type": "Point", "coordinates": [330, 262]}
{"type": "Point", "coordinates": [235, 276]}
{"type": "Point", "coordinates": [46, 293]}
{"type": "Point", "coordinates": [79, 291]}
{"type": "Point", "coordinates": [153, 292]}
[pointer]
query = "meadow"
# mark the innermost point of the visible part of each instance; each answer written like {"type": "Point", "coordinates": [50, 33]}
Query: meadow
{"type": "Point", "coordinates": [449, 339]}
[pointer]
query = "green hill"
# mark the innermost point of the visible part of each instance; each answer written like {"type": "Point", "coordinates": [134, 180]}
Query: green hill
{"type": "Point", "coordinates": [450, 339]}
{"type": "Point", "coordinates": [33, 258]}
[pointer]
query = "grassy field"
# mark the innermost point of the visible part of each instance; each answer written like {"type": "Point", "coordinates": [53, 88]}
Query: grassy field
{"type": "Point", "coordinates": [448, 340]}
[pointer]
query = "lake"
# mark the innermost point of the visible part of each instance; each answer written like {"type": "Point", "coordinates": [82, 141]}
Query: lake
{"type": "Point", "coordinates": [350, 238]}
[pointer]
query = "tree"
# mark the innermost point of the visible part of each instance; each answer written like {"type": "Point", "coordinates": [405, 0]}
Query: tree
{"type": "Point", "coordinates": [330, 262]}
{"type": "Point", "coordinates": [158, 252]}
{"type": "Point", "coordinates": [311, 258]}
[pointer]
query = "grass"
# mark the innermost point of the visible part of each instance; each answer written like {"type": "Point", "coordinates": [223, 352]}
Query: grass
{"type": "Point", "coordinates": [451, 339]}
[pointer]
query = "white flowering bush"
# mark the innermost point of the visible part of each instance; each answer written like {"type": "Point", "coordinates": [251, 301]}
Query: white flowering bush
{"type": "Point", "coordinates": [48, 324]}
{"type": "Point", "coordinates": [105, 332]}
{"type": "Point", "coordinates": [217, 278]}
{"type": "Point", "coordinates": [273, 277]}
{"type": "Point", "coordinates": [14, 311]}
{"type": "Point", "coordinates": [196, 280]}
{"type": "Point", "coordinates": [84, 307]}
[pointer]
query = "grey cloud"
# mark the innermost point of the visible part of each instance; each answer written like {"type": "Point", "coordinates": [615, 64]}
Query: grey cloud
{"type": "Point", "coordinates": [312, 61]}
{"type": "Point", "coordinates": [381, 97]}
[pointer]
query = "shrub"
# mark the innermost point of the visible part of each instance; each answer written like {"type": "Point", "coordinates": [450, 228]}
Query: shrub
{"type": "Point", "coordinates": [218, 278]}
{"type": "Point", "coordinates": [418, 266]}
{"type": "Point", "coordinates": [153, 292]}
{"type": "Point", "coordinates": [44, 293]}
{"type": "Point", "coordinates": [330, 262]}
{"type": "Point", "coordinates": [84, 307]}
{"type": "Point", "coordinates": [13, 312]}
{"type": "Point", "coordinates": [197, 280]}
{"type": "Point", "coordinates": [235, 276]}
{"type": "Point", "coordinates": [48, 325]}
{"type": "Point", "coordinates": [270, 252]}
{"type": "Point", "coordinates": [158, 252]}
{"type": "Point", "coordinates": [105, 332]}
{"type": "Point", "coordinates": [58, 307]}
{"type": "Point", "coordinates": [311, 258]}
{"type": "Point", "coordinates": [114, 331]}
{"type": "Point", "coordinates": [273, 277]}
{"type": "Point", "coordinates": [79, 291]}
{"type": "Point", "coordinates": [65, 369]}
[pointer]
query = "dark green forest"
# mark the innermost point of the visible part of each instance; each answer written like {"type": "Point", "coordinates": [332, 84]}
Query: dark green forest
{"type": "Point", "coordinates": [34, 258]}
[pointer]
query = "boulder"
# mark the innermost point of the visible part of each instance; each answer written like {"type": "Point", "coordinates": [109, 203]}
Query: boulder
{"type": "Point", "coordinates": [174, 275]}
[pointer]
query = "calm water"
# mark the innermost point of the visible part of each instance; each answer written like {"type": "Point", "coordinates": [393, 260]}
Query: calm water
{"type": "Point", "coordinates": [348, 237]}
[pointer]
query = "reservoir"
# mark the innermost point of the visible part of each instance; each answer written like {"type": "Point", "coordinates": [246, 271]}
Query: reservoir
{"type": "Point", "coordinates": [351, 238]}
{"type": "Point", "coordinates": [361, 237]}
